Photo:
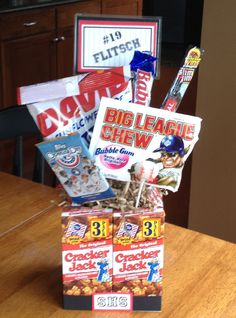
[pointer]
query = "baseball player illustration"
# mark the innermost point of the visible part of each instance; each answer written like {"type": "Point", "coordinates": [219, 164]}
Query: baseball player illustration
{"type": "Point", "coordinates": [172, 152]}
{"type": "Point", "coordinates": [166, 168]}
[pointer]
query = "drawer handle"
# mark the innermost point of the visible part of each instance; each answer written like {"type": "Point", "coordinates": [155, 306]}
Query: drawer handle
{"type": "Point", "coordinates": [58, 39]}
{"type": "Point", "coordinates": [30, 24]}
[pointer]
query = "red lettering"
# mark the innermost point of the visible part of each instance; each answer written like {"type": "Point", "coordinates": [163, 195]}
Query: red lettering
{"type": "Point", "coordinates": [110, 116]}
{"type": "Point", "coordinates": [141, 97]}
{"type": "Point", "coordinates": [69, 109]}
{"type": "Point", "coordinates": [102, 92]}
{"type": "Point", "coordinates": [133, 267]}
{"type": "Point", "coordinates": [138, 119]}
{"type": "Point", "coordinates": [106, 132]}
{"type": "Point", "coordinates": [170, 104]}
{"type": "Point", "coordinates": [48, 121]}
{"type": "Point", "coordinates": [70, 257]}
{"type": "Point", "coordinates": [119, 117]}
{"type": "Point", "coordinates": [149, 122]}
{"type": "Point", "coordinates": [135, 257]}
{"type": "Point", "coordinates": [118, 135]}
{"type": "Point", "coordinates": [159, 126]}
{"type": "Point", "coordinates": [128, 138]}
{"type": "Point", "coordinates": [127, 119]}
{"type": "Point", "coordinates": [190, 132]}
{"type": "Point", "coordinates": [82, 267]}
{"type": "Point", "coordinates": [142, 140]}
{"type": "Point", "coordinates": [170, 127]}
{"type": "Point", "coordinates": [86, 101]}
{"type": "Point", "coordinates": [116, 89]}
{"type": "Point", "coordinates": [142, 88]}
{"type": "Point", "coordinates": [146, 76]}
{"type": "Point", "coordinates": [185, 131]}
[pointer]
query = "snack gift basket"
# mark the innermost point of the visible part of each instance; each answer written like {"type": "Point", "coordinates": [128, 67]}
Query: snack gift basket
{"type": "Point", "coordinates": [112, 260]}
{"type": "Point", "coordinates": [115, 157]}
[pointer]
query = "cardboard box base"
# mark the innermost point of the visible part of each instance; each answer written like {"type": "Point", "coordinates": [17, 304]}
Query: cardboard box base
{"type": "Point", "coordinates": [140, 303]}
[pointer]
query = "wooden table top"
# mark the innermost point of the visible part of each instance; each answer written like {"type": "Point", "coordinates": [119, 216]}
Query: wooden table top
{"type": "Point", "coordinates": [21, 200]}
{"type": "Point", "coordinates": [199, 271]}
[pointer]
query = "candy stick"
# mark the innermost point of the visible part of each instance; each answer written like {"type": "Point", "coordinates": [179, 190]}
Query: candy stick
{"type": "Point", "coordinates": [182, 80]}
{"type": "Point", "coordinates": [142, 66]}
{"type": "Point", "coordinates": [139, 193]}
{"type": "Point", "coordinates": [126, 188]}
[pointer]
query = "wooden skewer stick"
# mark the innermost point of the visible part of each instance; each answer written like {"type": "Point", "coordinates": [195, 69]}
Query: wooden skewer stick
{"type": "Point", "coordinates": [139, 193]}
{"type": "Point", "coordinates": [126, 188]}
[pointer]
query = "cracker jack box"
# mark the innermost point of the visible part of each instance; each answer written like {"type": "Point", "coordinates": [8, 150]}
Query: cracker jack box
{"type": "Point", "coordinates": [86, 255]}
{"type": "Point", "coordinates": [138, 257]}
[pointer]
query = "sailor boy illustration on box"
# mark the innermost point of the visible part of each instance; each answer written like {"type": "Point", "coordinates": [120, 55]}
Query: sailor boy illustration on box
{"type": "Point", "coordinates": [154, 273]}
{"type": "Point", "coordinates": [103, 271]}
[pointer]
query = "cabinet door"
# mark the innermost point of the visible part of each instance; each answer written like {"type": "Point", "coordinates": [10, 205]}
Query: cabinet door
{"type": "Point", "coordinates": [65, 33]}
{"type": "Point", "coordinates": [66, 13]}
{"type": "Point", "coordinates": [122, 7]}
{"type": "Point", "coordinates": [27, 61]}
{"type": "Point", "coordinates": [65, 53]}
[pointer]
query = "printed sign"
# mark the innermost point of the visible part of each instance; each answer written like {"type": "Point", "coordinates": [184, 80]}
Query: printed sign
{"type": "Point", "coordinates": [102, 42]}
{"type": "Point", "coordinates": [113, 301]}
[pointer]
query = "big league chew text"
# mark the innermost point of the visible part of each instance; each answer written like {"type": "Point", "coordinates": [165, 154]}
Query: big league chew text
{"type": "Point", "coordinates": [126, 128]}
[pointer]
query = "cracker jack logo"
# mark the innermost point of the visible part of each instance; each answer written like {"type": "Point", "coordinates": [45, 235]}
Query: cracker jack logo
{"type": "Point", "coordinates": [65, 157]}
{"type": "Point", "coordinates": [136, 261]}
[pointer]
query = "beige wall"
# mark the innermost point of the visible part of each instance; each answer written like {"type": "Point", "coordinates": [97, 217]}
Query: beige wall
{"type": "Point", "coordinates": [213, 185]}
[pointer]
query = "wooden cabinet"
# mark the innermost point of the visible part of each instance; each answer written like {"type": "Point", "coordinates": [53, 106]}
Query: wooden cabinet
{"type": "Point", "coordinates": [38, 44]}
{"type": "Point", "coordinates": [123, 7]}
{"type": "Point", "coordinates": [27, 50]}
{"type": "Point", "coordinates": [26, 60]}
{"type": "Point", "coordinates": [26, 23]}
{"type": "Point", "coordinates": [65, 33]}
